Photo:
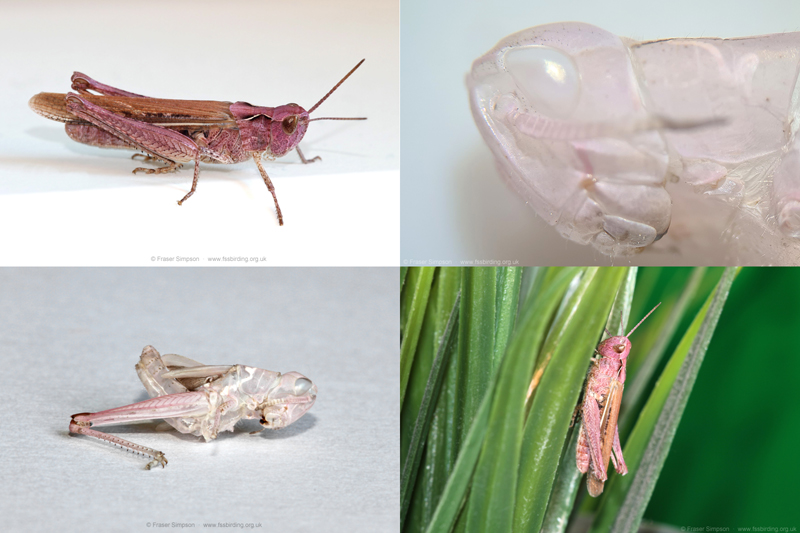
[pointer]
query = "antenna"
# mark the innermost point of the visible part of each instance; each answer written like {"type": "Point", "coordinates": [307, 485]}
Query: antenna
{"type": "Point", "coordinates": [336, 118]}
{"type": "Point", "coordinates": [334, 88]}
{"type": "Point", "coordinates": [642, 320]}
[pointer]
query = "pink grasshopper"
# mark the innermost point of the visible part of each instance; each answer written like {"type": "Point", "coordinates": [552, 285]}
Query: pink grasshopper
{"type": "Point", "coordinates": [179, 131]}
{"type": "Point", "coordinates": [203, 400]}
{"type": "Point", "coordinates": [599, 434]}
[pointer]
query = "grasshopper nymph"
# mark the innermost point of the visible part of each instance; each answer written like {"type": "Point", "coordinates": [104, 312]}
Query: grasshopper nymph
{"type": "Point", "coordinates": [599, 434]}
{"type": "Point", "coordinates": [203, 400]}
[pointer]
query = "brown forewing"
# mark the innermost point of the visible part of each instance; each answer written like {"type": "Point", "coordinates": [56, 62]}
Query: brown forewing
{"type": "Point", "coordinates": [163, 112]}
{"type": "Point", "coordinates": [608, 428]}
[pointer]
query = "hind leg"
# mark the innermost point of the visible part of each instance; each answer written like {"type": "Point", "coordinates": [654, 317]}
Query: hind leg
{"type": "Point", "coordinates": [83, 84]}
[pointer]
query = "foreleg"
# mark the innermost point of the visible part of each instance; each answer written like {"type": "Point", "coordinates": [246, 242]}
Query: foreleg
{"type": "Point", "coordinates": [268, 182]}
{"type": "Point", "coordinates": [303, 158]}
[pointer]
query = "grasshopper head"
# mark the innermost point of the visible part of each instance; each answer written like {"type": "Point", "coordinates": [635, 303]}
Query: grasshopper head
{"type": "Point", "coordinates": [619, 346]}
{"type": "Point", "coordinates": [288, 400]}
{"type": "Point", "coordinates": [289, 124]}
{"type": "Point", "coordinates": [277, 130]}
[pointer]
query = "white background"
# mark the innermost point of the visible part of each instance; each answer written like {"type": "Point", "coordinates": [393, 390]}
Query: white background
{"type": "Point", "coordinates": [63, 203]}
{"type": "Point", "coordinates": [454, 204]}
{"type": "Point", "coordinates": [71, 338]}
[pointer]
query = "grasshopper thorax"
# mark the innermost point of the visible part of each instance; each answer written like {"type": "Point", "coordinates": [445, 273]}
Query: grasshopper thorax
{"type": "Point", "coordinates": [276, 130]}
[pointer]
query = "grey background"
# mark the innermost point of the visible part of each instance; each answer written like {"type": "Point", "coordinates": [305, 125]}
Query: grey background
{"type": "Point", "coordinates": [70, 339]}
{"type": "Point", "coordinates": [454, 205]}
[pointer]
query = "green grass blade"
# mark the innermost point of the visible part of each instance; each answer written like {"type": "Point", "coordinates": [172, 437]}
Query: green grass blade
{"type": "Point", "coordinates": [494, 482]}
{"type": "Point", "coordinates": [509, 280]}
{"type": "Point", "coordinates": [438, 458]}
{"type": "Point", "coordinates": [408, 476]}
{"type": "Point", "coordinates": [457, 484]}
{"type": "Point", "coordinates": [476, 336]}
{"type": "Point", "coordinates": [639, 375]}
{"type": "Point", "coordinates": [619, 321]}
{"type": "Point", "coordinates": [569, 347]}
{"type": "Point", "coordinates": [443, 292]}
{"type": "Point", "coordinates": [529, 284]}
{"type": "Point", "coordinates": [565, 487]}
{"type": "Point", "coordinates": [427, 348]}
{"type": "Point", "coordinates": [455, 490]}
{"type": "Point", "coordinates": [452, 408]}
{"type": "Point", "coordinates": [414, 301]}
{"type": "Point", "coordinates": [626, 498]}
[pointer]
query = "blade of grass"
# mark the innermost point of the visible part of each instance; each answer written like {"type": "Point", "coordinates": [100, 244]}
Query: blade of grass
{"type": "Point", "coordinates": [619, 317]}
{"type": "Point", "coordinates": [438, 457]}
{"type": "Point", "coordinates": [528, 284]}
{"type": "Point", "coordinates": [626, 498]}
{"type": "Point", "coordinates": [543, 357]}
{"type": "Point", "coordinates": [640, 375]}
{"type": "Point", "coordinates": [440, 304]}
{"type": "Point", "coordinates": [452, 408]}
{"type": "Point", "coordinates": [494, 482]}
{"type": "Point", "coordinates": [409, 472]}
{"type": "Point", "coordinates": [508, 287]}
{"type": "Point", "coordinates": [458, 483]}
{"type": "Point", "coordinates": [476, 339]}
{"type": "Point", "coordinates": [427, 348]}
{"type": "Point", "coordinates": [571, 342]}
{"type": "Point", "coordinates": [565, 487]}
{"type": "Point", "coordinates": [415, 300]}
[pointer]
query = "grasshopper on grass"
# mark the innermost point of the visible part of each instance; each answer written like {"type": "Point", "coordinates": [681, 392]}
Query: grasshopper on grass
{"type": "Point", "coordinates": [203, 400]}
{"type": "Point", "coordinates": [599, 434]}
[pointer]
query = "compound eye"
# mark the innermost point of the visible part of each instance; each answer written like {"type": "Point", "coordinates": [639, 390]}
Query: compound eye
{"type": "Point", "coordinates": [547, 77]}
{"type": "Point", "coordinates": [301, 386]}
{"type": "Point", "coordinates": [619, 348]}
{"type": "Point", "coordinates": [289, 124]}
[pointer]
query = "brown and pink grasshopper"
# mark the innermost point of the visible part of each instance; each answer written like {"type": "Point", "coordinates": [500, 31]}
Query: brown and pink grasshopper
{"type": "Point", "coordinates": [203, 400]}
{"type": "Point", "coordinates": [179, 131]}
{"type": "Point", "coordinates": [599, 434]}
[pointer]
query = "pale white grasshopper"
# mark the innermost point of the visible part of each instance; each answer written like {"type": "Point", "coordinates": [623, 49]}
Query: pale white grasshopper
{"type": "Point", "coordinates": [203, 400]}
{"type": "Point", "coordinates": [614, 142]}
